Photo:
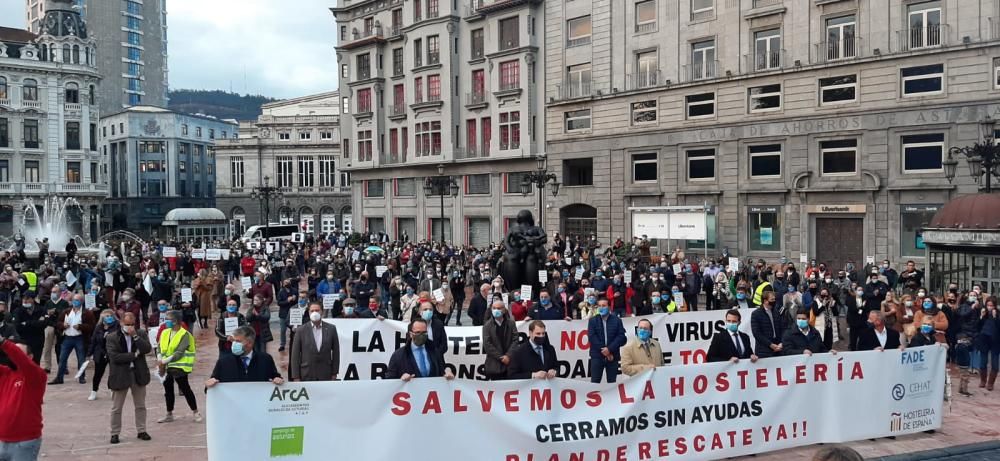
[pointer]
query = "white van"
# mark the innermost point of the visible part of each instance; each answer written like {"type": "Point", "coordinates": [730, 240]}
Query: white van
{"type": "Point", "coordinates": [272, 232]}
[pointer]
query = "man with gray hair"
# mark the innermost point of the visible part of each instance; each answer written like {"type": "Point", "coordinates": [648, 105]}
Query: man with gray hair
{"type": "Point", "coordinates": [244, 364]}
{"type": "Point", "coordinates": [877, 337]}
{"type": "Point", "coordinates": [477, 307]}
{"type": "Point", "coordinates": [127, 348]}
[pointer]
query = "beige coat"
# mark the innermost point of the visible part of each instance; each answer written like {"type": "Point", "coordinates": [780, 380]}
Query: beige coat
{"type": "Point", "coordinates": [204, 290]}
{"type": "Point", "coordinates": [634, 357]}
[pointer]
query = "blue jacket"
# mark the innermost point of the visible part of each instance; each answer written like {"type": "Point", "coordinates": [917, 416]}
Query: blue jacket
{"type": "Point", "coordinates": [766, 333]}
{"type": "Point", "coordinates": [327, 288]}
{"type": "Point", "coordinates": [616, 336]}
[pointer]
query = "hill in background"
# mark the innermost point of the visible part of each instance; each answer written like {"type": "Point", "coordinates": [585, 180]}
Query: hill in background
{"type": "Point", "coordinates": [221, 104]}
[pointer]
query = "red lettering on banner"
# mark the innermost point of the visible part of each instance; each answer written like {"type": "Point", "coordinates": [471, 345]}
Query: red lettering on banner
{"type": "Point", "coordinates": [621, 395]}
{"type": "Point", "coordinates": [644, 450]}
{"type": "Point", "coordinates": [857, 372]}
{"type": "Point", "coordinates": [603, 455]}
{"type": "Point", "coordinates": [486, 400]}
{"type": "Point", "coordinates": [433, 403]}
{"type": "Point", "coordinates": [782, 433]}
{"type": "Point", "coordinates": [459, 407]}
{"type": "Point", "coordinates": [721, 382]}
{"type": "Point", "coordinates": [693, 357]}
{"type": "Point", "coordinates": [647, 392]}
{"type": "Point", "coordinates": [594, 399]}
{"type": "Point", "coordinates": [747, 437]}
{"type": "Point", "coordinates": [568, 398]}
{"type": "Point", "coordinates": [663, 448]}
{"type": "Point", "coordinates": [717, 441]}
{"type": "Point", "coordinates": [574, 340]}
{"type": "Point", "coordinates": [732, 438]}
{"type": "Point", "coordinates": [401, 402]}
{"type": "Point", "coordinates": [554, 457]}
{"type": "Point", "coordinates": [800, 374]}
{"type": "Point", "coordinates": [781, 381]}
{"type": "Point", "coordinates": [743, 378]}
{"type": "Point", "coordinates": [700, 384]}
{"type": "Point", "coordinates": [541, 399]}
{"type": "Point", "coordinates": [699, 443]}
{"type": "Point", "coordinates": [677, 386]}
{"type": "Point", "coordinates": [680, 445]}
{"type": "Point", "coordinates": [621, 452]}
{"type": "Point", "coordinates": [819, 372]}
{"type": "Point", "coordinates": [510, 400]}
{"type": "Point", "coordinates": [576, 456]}
{"type": "Point", "coordinates": [513, 458]}
{"type": "Point", "coordinates": [767, 433]}
{"type": "Point", "coordinates": [762, 378]}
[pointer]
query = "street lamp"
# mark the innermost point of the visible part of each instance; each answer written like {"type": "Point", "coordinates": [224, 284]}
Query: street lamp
{"type": "Point", "coordinates": [265, 194]}
{"type": "Point", "coordinates": [540, 178]}
{"type": "Point", "coordinates": [983, 157]}
{"type": "Point", "coordinates": [440, 185]}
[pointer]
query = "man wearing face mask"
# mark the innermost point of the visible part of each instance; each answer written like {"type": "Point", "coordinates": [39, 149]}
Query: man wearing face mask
{"type": "Point", "coordinates": [232, 311]}
{"type": "Point", "coordinates": [415, 359]}
{"type": "Point", "coordinates": [244, 364]}
{"type": "Point", "coordinates": [877, 337]}
{"type": "Point", "coordinates": [30, 321]}
{"type": "Point", "coordinates": [534, 359]}
{"type": "Point", "coordinates": [55, 306]}
{"type": "Point", "coordinates": [374, 310]}
{"type": "Point", "coordinates": [731, 344]}
{"type": "Point", "coordinates": [262, 288]}
{"type": "Point", "coordinates": [315, 352]}
{"type": "Point", "coordinates": [803, 339]}
{"type": "Point", "coordinates": [499, 339]}
{"type": "Point", "coordinates": [287, 297]}
{"type": "Point", "coordinates": [857, 316]}
{"type": "Point", "coordinates": [363, 289]}
{"type": "Point", "coordinates": [127, 348]}
{"type": "Point", "coordinates": [437, 339]}
{"type": "Point", "coordinates": [75, 325]}
{"type": "Point", "coordinates": [767, 327]}
{"type": "Point", "coordinates": [607, 336]}
{"type": "Point", "coordinates": [642, 353]}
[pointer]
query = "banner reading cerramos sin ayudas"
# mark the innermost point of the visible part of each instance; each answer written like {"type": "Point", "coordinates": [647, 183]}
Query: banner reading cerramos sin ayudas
{"type": "Point", "coordinates": [367, 344]}
{"type": "Point", "coordinates": [681, 412]}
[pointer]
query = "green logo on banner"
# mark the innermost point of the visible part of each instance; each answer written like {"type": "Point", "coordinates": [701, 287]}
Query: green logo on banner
{"type": "Point", "coordinates": [287, 441]}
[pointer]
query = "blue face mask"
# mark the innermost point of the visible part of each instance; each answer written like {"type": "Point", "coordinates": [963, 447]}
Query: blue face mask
{"type": "Point", "coordinates": [599, 274]}
{"type": "Point", "coordinates": [169, 323]}
{"type": "Point", "coordinates": [927, 329]}
{"type": "Point", "coordinates": [162, 307]}
{"type": "Point", "coordinates": [109, 320]}
{"type": "Point", "coordinates": [561, 289]}
{"type": "Point", "coordinates": [545, 301]}
{"type": "Point", "coordinates": [77, 303]}
{"type": "Point", "coordinates": [409, 291]}
{"type": "Point", "coordinates": [517, 297]}
{"type": "Point", "coordinates": [603, 310]}
{"type": "Point", "coordinates": [732, 327]}
{"type": "Point", "coordinates": [802, 323]}
{"type": "Point", "coordinates": [302, 302]}
{"type": "Point", "coordinates": [644, 334]}
{"type": "Point", "coordinates": [497, 313]}
{"type": "Point", "coordinates": [656, 300]}
{"type": "Point", "coordinates": [565, 275]}
{"type": "Point", "coordinates": [928, 305]}
{"type": "Point", "coordinates": [231, 309]}
{"type": "Point", "coordinates": [791, 288]}
{"type": "Point", "coordinates": [348, 310]}
{"type": "Point", "coordinates": [741, 296]}
{"type": "Point", "coordinates": [237, 348]}
{"type": "Point", "coordinates": [591, 300]}
{"type": "Point", "coordinates": [427, 315]}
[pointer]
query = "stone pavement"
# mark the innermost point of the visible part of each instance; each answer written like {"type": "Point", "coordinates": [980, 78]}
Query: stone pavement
{"type": "Point", "coordinates": [77, 429]}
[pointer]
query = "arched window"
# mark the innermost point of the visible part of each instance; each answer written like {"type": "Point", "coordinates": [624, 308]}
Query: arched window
{"type": "Point", "coordinates": [44, 52]}
{"type": "Point", "coordinates": [286, 215]}
{"type": "Point", "coordinates": [3, 88]}
{"type": "Point", "coordinates": [579, 220]}
{"type": "Point", "coordinates": [65, 54]}
{"type": "Point", "coordinates": [76, 54]}
{"type": "Point", "coordinates": [93, 95]}
{"type": "Point", "coordinates": [29, 90]}
{"type": "Point", "coordinates": [72, 93]}
{"type": "Point", "coordinates": [87, 62]}
{"type": "Point", "coordinates": [307, 219]}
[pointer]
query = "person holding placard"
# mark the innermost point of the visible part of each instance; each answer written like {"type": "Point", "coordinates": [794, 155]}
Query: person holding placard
{"type": "Point", "coordinates": [315, 354]}
{"type": "Point", "coordinates": [224, 330]}
{"type": "Point", "coordinates": [519, 307]}
{"type": "Point", "coordinates": [546, 309]}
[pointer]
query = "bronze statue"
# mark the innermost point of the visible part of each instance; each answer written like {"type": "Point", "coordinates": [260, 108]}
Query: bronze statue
{"type": "Point", "coordinates": [524, 253]}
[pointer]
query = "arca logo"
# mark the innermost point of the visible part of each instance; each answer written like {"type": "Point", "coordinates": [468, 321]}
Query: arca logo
{"type": "Point", "coordinates": [282, 395]}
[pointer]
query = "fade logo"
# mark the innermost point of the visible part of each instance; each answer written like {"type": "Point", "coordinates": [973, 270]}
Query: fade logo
{"type": "Point", "coordinates": [895, 422]}
{"type": "Point", "coordinates": [914, 359]}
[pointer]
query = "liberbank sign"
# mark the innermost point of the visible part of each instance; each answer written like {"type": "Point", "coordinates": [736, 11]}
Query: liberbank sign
{"type": "Point", "coordinates": [962, 237]}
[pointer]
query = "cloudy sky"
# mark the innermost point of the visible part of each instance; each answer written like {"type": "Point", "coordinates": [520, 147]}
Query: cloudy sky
{"type": "Point", "coordinates": [285, 46]}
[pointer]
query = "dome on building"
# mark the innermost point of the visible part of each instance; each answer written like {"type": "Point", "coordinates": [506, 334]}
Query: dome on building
{"type": "Point", "coordinates": [974, 212]}
{"type": "Point", "coordinates": [63, 19]}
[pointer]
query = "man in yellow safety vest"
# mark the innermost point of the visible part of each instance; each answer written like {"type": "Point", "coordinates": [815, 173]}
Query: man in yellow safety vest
{"type": "Point", "coordinates": [176, 359]}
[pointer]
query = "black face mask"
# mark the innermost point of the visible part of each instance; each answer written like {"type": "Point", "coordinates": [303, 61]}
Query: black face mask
{"type": "Point", "coordinates": [540, 340]}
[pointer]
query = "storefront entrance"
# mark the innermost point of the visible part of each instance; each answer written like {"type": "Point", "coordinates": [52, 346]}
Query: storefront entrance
{"type": "Point", "coordinates": [839, 240]}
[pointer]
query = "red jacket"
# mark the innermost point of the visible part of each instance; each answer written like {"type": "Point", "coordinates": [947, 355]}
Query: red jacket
{"type": "Point", "coordinates": [248, 264]}
{"type": "Point", "coordinates": [21, 394]}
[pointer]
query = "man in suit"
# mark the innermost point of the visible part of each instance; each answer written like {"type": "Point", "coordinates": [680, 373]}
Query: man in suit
{"type": "Point", "coordinates": [477, 307]}
{"type": "Point", "coordinates": [804, 339]}
{"type": "Point", "coordinates": [127, 348]}
{"type": "Point", "coordinates": [767, 327]}
{"type": "Point", "coordinates": [436, 336]}
{"type": "Point", "coordinates": [877, 337]}
{"type": "Point", "coordinates": [499, 339]}
{"type": "Point", "coordinates": [315, 349]}
{"type": "Point", "coordinates": [731, 344]}
{"type": "Point", "coordinates": [643, 353]}
{"type": "Point", "coordinates": [607, 336]}
{"type": "Point", "coordinates": [244, 364]}
{"type": "Point", "coordinates": [535, 359]}
{"type": "Point", "coordinates": [415, 359]}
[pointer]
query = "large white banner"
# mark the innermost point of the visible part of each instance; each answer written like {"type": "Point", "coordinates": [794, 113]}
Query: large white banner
{"type": "Point", "coordinates": [693, 412]}
{"type": "Point", "coordinates": [652, 225]}
{"type": "Point", "coordinates": [676, 225]}
{"type": "Point", "coordinates": [367, 344]}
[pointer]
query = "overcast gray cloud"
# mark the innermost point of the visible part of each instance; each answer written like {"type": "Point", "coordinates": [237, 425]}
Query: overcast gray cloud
{"type": "Point", "coordinates": [284, 48]}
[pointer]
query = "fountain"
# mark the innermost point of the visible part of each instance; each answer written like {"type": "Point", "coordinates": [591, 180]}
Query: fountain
{"type": "Point", "coordinates": [51, 223]}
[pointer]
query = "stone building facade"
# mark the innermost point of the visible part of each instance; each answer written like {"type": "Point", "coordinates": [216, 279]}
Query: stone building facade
{"type": "Point", "coordinates": [296, 144]}
{"type": "Point", "coordinates": [813, 129]}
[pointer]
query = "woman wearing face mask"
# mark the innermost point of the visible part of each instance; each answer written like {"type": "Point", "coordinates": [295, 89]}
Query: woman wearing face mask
{"type": "Point", "coordinates": [519, 308]}
{"type": "Point", "coordinates": [176, 353]}
{"type": "Point", "coordinates": [930, 307]}
{"type": "Point", "coordinates": [128, 303]}
{"type": "Point", "coordinates": [97, 351]}
{"type": "Point", "coordinates": [232, 311]}
{"type": "Point", "coordinates": [259, 318]}
{"type": "Point", "coordinates": [588, 307]}
{"type": "Point", "coordinates": [987, 344]}
{"type": "Point", "coordinates": [203, 290]}
{"type": "Point", "coordinates": [408, 303]}
{"type": "Point", "coordinates": [894, 314]}
{"type": "Point", "coordinates": [791, 303]}
{"type": "Point", "coordinates": [857, 316]}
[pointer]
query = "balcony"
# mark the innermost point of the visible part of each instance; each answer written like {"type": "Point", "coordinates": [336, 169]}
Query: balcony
{"type": "Point", "coordinates": [77, 188]}
{"type": "Point", "coordinates": [646, 27]}
{"type": "Point", "coordinates": [432, 100]}
{"type": "Point", "coordinates": [395, 30]}
{"type": "Point", "coordinates": [477, 51]}
{"type": "Point", "coordinates": [397, 111]}
{"type": "Point", "coordinates": [642, 80]}
{"type": "Point", "coordinates": [915, 38]}
{"type": "Point", "coordinates": [476, 99]}
{"type": "Point", "coordinates": [391, 159]}
{"type": "Point", "coordinates": [73, 107]}
{"type": "Point", "coordinates": [473, 152]}
{"type": "Point", "coordinates": [5, 102]}
{"type": "Point", "coordinates": [31, 104]}
{"type": "Point", "coordinates": [701, 70]}
{"type": "Point", "coordinates": [18, 188]}
{"type": "Point", "coordinates": [508, 89]}
{"type": "Point", "coordinates": [364, 37]}
{"type": "Point", "coordinates": [433, 58]}
{"type": "Point", "coordinates": [839, 50]}
{"type": "Point", "coordinates": [574, 90]}
{"type": "Point", "coordinates": [765, 60]}
{"type": "Point", "coordinates": [483, 7]}
{"type": "Point", "coordinates": [572, 42]}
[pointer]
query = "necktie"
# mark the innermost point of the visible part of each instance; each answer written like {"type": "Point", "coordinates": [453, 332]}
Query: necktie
{"type": "Point", "coordinates": [541, 355]}
{"type": "Point", "coordinates": [422, 362]}
{"type": "Point", "coordinates": [246, 364]}
{"type": "Point", "coordinates": [739, 345]}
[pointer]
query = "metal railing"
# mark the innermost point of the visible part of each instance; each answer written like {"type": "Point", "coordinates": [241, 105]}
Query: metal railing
{"type": "Point", "coordinates": [574, 90]}
{"type": "Point", "coordinates": [477, 51]}
{"type": "Point", "coordinates": [395, 30]}
{"type": "Point", "coordinates": [433, 58]}
{"type": "Point", "coordinates": [475, 97]}
{"type": "Point", "coordinates": [640, 80]}
{"type": "Point", "coordinates": [482, 151]}
{"type": "Point", "coordinates": [374, 31]}
{"type": "Point", "coordinates": [571, 42]}
{"type": "Point", "coordinates": [645, 27]}
{"type": "Point", "coordinates": [915, 38]}
{"type": "Point", "coordinates": [765, 60]}
{"type": "Point", "coordinates": [397, 109]}
{"type": "Point", "coordinates": [73, 106]}
{"type": "Point", "coordinates": [702, 70]}
{"type": "Point", "coordinates": [846, 48]}
{"type": "Point", "coordinates": [509, 86]}
{"type": "Point", "coordinates": [762, 3]}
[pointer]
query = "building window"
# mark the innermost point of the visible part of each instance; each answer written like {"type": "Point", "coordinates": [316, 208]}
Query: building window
{"type": "Point", "coordinates": [93, 137]}
{"type": "Point", "coordinates": [912, 221]}
{"type": "Point", "coordinates": [478, 232]}
{"type": "Point", "coordinates": [418, 53]}
{"type": "Point", "coordinates": [838, 90]}
{"type": "Point", "coordinates": [700, 105]}
{"type": "Point", "coordinates": [305, 136]}
{"type": "Point", "coordinates": [437, 228]}
{"type": "Point", "coordinates": [644, 112]}
{"type": "Point", "coordinates": [181, 167]}
{"type": "Point", "coordinates": [478, 85]}
{"type": "Point", "coordinates": [703, 60]}
{"type": "Point", "coordinates": [765, 98]}
{"type": "Point", "coordinates": [701, 165]}
{"type": "Point", "coordinates": [418, 13]}
{"type": "Point", "coordinates": [647, 70]}
{"type": "Point", "coordinates": [345, 105]}
{"type": "Point", "coordinates": [184, 129]}
{"type": "Point", "coordinates": [364, 66]}
{"type": "Point", "coordinates": [839, 157]}
{"type": "Point", "coordinates": [840, 38]}
{"type": "Point", "coordinates": [284, 136]}
{"type": "Point", "coordinates": [510, 75]}
{"type": "Point", "coordinates": [578, 31]}
{"type": "Point", "coordinates": [306, 172]}
{"type": "Point", "coordinates": [578, 172]}
{"type": "Point", "coordinates": [326, 135]}
{"type": "Point", "coordinates": [29, 90]}
{"type": "Point", "coordinates": [406, 187]}
{"type": "Point", "coordinates": [4, 171]}
{"type": "Point", "coordinates": [197, 168]}
{"type": "Point", "coordinates": [374, 188]}
{"type": "Point", "coordinates": [702, 8]}
{"type": "Point", "coordinates": [284, 169]}
{"type": "Point", "coordinates": [30, 134]}
{"type": "Point", "coordinates": [236, 172]}
{"type": "Point", "coordinates": [433, 50]}
{"type": "Point", "coordinates": [510, 130]}
{"type": "Point", "coordinates": [477, 44]}
{"type": "Point", "coordinates": [397, 61]}
{"type": "Point", "coordinates": [344, 71]}
{"type": "Point", "coordinates": [73, 172]}
{"type": "Point", "coordinates": [93, 172]}
{"type": "Point", "coordinates": [427, 137]}
{"type": "Point", "coordinates": [3, 88]}
{"type": "Point", "coordinates": [923, 80]}
{"type": "Point", "coordinates": [765, 161]}
{"type": "Point", "coordinates": [477, 184]}
{"type": "Point", "coordinates": [578, 81]}
{"type": "Point", "coordinates": [4, 133]}
{"type": "Point", "coordinates": [924, 21]}
{"type": "Point", "coordinates": [644, 168]}
{"type": "Point", "coordinates": [418, 90]}
{"type": "Point", "coordinates": [32, 171]}
{"type": "Point", "coordinates": [765, 228]}
{"type": "Point", "coordinates": [577, 120]}
{"type": "Point", "coordinates": [470, 137]}
{"type": "Point", "coordinates": [365, 145]}
{"type": "Point", "coordinates": [394, 143]}
{"type": "Point", "coordinates": [767, 49]}
{"type": "Point", "coordinates": [211, 133]}
{"type": "Point", "coordinates": [509, 33]}
{"type": "Point", "coordinates": [512, 182]}
{"type": "Point", "coordinates": [397, 21]}
{"type": "Point", "coordinates": [197, 131]}
{"type": "Point", "coordinates": [645, 16]}
{"type": "Point", "coordinates": [433, 87]}
{"type": "Point", "coordinates": [364, 100]}
{"type": "Point", "coordinates": [72, 93]}
{"type": "Point", "coordinates": [923, 153]}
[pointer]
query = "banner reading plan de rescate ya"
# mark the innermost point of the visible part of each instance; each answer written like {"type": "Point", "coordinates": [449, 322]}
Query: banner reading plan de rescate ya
{"type": "Point", "coordinates": [367, 344]}
{"type": "Point", "coordinates": [691, 412]}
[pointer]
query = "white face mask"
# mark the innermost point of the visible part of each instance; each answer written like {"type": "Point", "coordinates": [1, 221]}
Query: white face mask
{"type": "Point", "coordinates": [315, 316]}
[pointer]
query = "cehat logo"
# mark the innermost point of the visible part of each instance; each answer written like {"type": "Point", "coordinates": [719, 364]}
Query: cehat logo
{"type": "Point", "coordinates": [282, 395]}
{"type": "Point", "coordinates": [898, 392]}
